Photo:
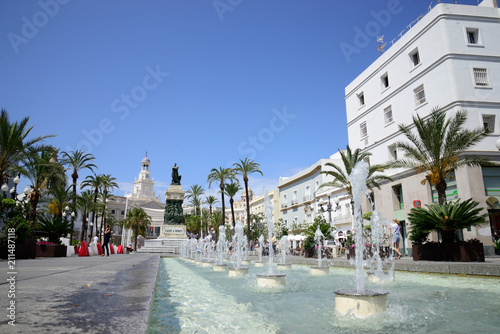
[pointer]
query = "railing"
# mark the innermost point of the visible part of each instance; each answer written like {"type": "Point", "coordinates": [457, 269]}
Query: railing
{"type": "Point", "coordinates": [307, 198]}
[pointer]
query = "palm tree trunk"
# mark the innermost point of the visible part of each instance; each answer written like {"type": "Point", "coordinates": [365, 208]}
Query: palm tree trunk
{"type": "Point", "coordinates": [248, 210]}
{"type": "Point", "coordinates": [33, 205]}
{"type": "Point", "coordinates": [231, 201]}
{"type": "Point", "coordinates": [223, 206]}
{"type": "Point", "coordinates": [136, 235]}
{"type": "Point", "coordinates": [441, 190]}
{"type": "Point", "coordinates": [73, 209]}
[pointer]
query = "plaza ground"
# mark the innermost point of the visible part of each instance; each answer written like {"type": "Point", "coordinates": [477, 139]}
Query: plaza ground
{"type": "Point", "coordinates": [113, 294]}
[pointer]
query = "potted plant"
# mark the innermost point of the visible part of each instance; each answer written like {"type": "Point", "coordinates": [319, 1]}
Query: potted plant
{"type": "Point", "coordinates": [54, 227]}
{"type": "Point", "coordinates": [447, 219]}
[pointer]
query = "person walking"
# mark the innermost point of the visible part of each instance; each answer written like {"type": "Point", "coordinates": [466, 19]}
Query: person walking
{"type": "Point", "coordinates": [107, 237]}
{"type": "Point", "coordinates": [396, 228]}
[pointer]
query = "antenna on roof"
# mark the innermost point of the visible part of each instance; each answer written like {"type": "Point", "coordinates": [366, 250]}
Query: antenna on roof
{"type": "Point", "coordinates": [381, 44]}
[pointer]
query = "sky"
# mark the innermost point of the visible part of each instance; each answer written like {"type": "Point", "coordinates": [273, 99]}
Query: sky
{"type": "Point", "coordinates": [200, 83]}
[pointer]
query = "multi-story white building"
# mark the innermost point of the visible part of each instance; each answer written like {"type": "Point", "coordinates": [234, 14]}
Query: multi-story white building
{"type": "Point", "coordinates": [302, 198]}
{"type": "Point", "coordinates": [449, 59]}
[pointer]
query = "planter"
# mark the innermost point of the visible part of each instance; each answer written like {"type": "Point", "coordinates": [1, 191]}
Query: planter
{"type": "Point", "coordinates": [22, 251]}
{"type": "Point", "coordinates": [460, 251]}
{"type": "Point", "coordinates": [51, 250]}
{"type": "Point", "coordinates": [497, 251]}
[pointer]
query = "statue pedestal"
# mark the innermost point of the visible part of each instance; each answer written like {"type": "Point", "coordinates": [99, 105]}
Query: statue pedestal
{"type": "Point", "coordinates": [173, 231]}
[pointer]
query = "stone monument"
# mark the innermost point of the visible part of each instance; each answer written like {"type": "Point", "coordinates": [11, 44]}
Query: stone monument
{"type": "Point", "coordinates": [173, 219]}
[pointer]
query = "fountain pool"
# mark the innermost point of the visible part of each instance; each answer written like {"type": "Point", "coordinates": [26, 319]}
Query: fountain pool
{"type": "Point", "coordinates": [193, 299]}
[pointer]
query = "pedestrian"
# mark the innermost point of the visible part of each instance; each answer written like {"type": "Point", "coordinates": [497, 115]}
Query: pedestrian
{"type": "Point", "coordinates": [107, 237]}
{"type": "Point", "coordinates": [396, 228]}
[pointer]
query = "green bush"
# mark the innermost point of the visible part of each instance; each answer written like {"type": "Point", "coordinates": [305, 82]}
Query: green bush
{"type": "Point", "coordinates": [55, 227]}
{"type": "Point", "coordinates": [444, 218]}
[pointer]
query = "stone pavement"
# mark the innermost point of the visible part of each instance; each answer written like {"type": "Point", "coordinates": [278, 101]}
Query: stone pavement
{"type": "Point", "coordinates": [113, 294]}
{"type": "Point", "coordinates": [80, 294]}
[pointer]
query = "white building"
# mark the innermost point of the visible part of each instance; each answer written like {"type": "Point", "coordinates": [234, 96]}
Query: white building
{"type": "Point", "coordinates": [449, 59]}
{"type": "Point", "coordinates": [143, 196]}
{"type": "Point", "coordinates": [302, 198]}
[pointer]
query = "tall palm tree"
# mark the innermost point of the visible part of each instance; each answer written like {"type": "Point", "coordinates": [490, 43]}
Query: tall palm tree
{"type": "Point", "coordinates": [231, 189]}
{"type": "Point", "coordinates": [60, 198]}
{"type": "Point", "coordinates": [13, 143]}
{"type": "Point", "coordinates": [94, 182]}
{"type": "Point", "coordinates": [439, 147]}
{"type": "Point", "coordinates": [221, 175]}
{"type": "Point", "coordinates": [341, 173]}
{"type": "Point", "coordinates": [245, 168]}
{"type": "Point", "coordinates": [211, 200]}
{"type": "Point", "coordinates": [138, 220]}
{"type": "Point", "coordinates": [194, 193]}
{"type": "Point", "coordinates": [107, 185]}
{"type": "Point", "coordinates": [85, 204]}
{"type": "Point", "coordinates": [41, 170]}
{"type": "Point", "coordinates": [77, 160]}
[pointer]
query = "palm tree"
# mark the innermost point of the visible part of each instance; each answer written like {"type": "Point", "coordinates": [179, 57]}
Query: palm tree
{"type": "Point", "coordinates": [77, 160]}
{"type": "Point", "coordinates": [85, 204]}
{"type": "Point", "coordinates": [194, 194]}
{"type": "Point", "coordinates": [245, 168]}
{"type": "Point", "coordinates": [93, 181]}
{"type": "Point", "coordinates": [60, 199]}
{"type": "Point", "coordinates": [439, 147]}
{"type": "Point", "coordinates": [211, 200]}
{"type": "Point", "coordinates": [41, 170]}
{"type": "Point", "coordinates": [107, 185]}
{"type": "Point", "coordinates": [221, 175]}
{"type": "Point", "coordinates": [13, 143]}
{"type": "Point", "coordinates": [341, 173]}
{"type": "Point", "coordinates": [231, 189]}
{"type": "Point", "coordinates": [104, 198]}
{"type": "Point", "coordinates": [138, 220]}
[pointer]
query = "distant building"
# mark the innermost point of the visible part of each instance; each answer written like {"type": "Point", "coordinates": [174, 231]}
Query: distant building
{"type": "Point", "coordinates": [450, 59]}
{"type": "Point", "coordinates": [143, 196]}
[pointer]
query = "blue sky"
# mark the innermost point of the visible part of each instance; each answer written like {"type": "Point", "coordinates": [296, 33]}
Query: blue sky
{"type": "Point", "coordinates": [200, 83]}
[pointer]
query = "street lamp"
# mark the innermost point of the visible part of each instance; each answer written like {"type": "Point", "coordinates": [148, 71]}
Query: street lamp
{"type": "Point", "coordinates": [91, 229]}
{"type": "Point", "coordinates": [329, 208]}
{"type": "Point", "coordinates": [13, 193]}
{"type": "Point", "coordinates": [5, 188]}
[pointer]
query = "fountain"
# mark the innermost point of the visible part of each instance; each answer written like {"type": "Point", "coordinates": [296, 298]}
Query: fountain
{"type": "Point", "coordinates": [360, 302]}
{"type": "Point", "coordinates": [245, 260]}
{"type": "Point", "coordinates": [285, 244]}
{"type": "Point", "coordinates": [270, 280]}
{"type": "Point", "coordinates": [320, 269]}
{"type": "Point", "coordinates": [207, 250]}
{"type": "Point", "coordinates": [221, 249]}
{"type": "Point", "coordinates": [261, 249]}
{"type": "Point", "coordinates": [238, 270]}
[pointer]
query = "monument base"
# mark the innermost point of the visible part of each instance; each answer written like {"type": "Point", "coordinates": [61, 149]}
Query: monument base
{"type": "Point", "coordinates": [170, 240]}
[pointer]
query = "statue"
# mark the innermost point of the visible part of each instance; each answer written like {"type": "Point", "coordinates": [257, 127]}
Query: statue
{"type": "Point", "coordinates": [176, 178]}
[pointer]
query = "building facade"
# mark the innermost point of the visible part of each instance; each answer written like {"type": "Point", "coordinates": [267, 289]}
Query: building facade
{"type": "Point", "coordinates": [450, 59]}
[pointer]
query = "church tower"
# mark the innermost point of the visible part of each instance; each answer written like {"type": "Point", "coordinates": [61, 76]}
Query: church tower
{"type": "Point", "coordinates": [144, 184]}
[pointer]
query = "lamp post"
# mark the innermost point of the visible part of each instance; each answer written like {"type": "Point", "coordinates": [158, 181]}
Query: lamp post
{"type": "Point", "coordinates": [5, 188]}
{"type": "Point", "coordinates": [329, 208]}
{"type": "Point", "coordinates": [13, 192]}
{"type": "Point", "coordinates": [91, 229]}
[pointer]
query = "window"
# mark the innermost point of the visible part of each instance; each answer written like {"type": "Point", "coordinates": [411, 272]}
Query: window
{"type": "Point", "coordinates": [123, 212]}
{"type": "Point", "coordinates": [284, 200]}
{"type": "Point", "coordinates": [415, 57]}
{"type": "Point", "coordinates": [489, 122]}
{"type": "Point", "coordinates": [361, 99]}
{"type": "Point", "coordinates": [307, 197]}
{"type": "Point", "coordinates": [393, 152]}
{"type": "Point", "coordinates": [385, 81]}
{"type": "Point", "coordinates": [419, 95]}
{"type": "Point", "coordinates": [491, 180]}
{"type": "Point", "coordinates": [363, 130]}
{"type": "Point", "coordinates": [398, 198]}
{"type": "Point", "coordinates": [388, 115]}
{"type": "Point", "coordinates": [472, 35]}
{"type": "Point", "coordinates": [481, 77]}
{"type": "Point", "coordinates": [113, 212]}
{"type": "Point", "coordinates": [295, 200]}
